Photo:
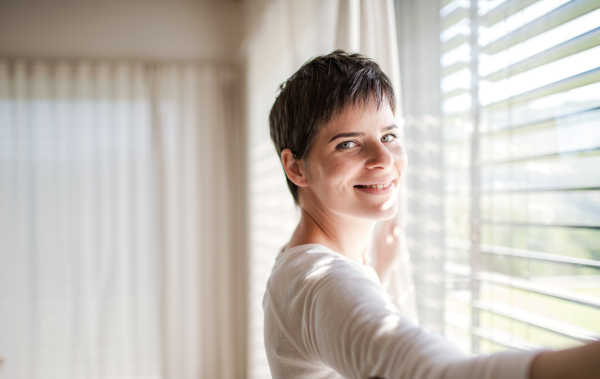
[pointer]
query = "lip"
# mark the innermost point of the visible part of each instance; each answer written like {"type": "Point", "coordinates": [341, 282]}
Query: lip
{"type": "Point", "coordinates": [377, 191]}
{"type": "Point", "coordinates": [377, 181]}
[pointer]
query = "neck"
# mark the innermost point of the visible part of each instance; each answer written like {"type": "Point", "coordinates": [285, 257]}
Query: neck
{"type": "Point", "coordinates": [345, 235]}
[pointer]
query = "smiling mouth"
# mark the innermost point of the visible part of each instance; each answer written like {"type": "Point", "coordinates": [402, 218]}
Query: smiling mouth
{"type": "Point", "coordinates": [378, 186]}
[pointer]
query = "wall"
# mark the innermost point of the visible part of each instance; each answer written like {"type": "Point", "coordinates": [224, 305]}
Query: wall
{"type": "Point", "coordinates": [144, 29]}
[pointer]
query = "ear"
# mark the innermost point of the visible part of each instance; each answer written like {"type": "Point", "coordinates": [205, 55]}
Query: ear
{"type": "Point", "coordinates": [294, 169]}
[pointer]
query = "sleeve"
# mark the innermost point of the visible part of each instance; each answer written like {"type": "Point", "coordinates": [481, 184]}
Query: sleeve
{"type": "Point", "coordinates": [348, 323]}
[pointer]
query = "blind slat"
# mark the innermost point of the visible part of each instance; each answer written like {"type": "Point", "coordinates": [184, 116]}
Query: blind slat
{"type": "Point", "coordinates": [548, 225]}
{"type": "Point", "coordinates": [455, 92]}
{"type": "Point", "coordinates": [542, 289]}
{"type": "Point", "coordinates": [504, 10]}
{"type": "Point", "coordinates": [505, 339]}
{"type": "Point", "coordinates": [533, 190]}
{"type": "Point", "coordinates": [557, 17]}
{"type": "Point", "coordinates": [576, 81]}
{"type": "Point", "coordinates": [454, 42]}
{"type": "Point", "coordinates": [454, 17]}
{"type": "Point", "coordinates": [534, 319]}
{"type": "Point", "coordinates": [443, 3]}
{"type": "Point", "coordinates": [561, 154]}
{"type": "Point", "coordinates": [573, 46]}
{"type": "Point", "coordinates": [573, 117]}
{"type": "Point", "coordinates": [455, 67]}
{"type": "Point", "coordinates": [512, 252]}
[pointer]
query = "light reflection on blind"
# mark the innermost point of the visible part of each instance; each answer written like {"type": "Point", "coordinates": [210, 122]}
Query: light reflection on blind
{"type": "Point", "coordinates": [522, 172]}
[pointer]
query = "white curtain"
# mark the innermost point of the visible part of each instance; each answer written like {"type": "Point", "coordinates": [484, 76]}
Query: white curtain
{"type": "Point", "coordinates": [419, 41]}
{"type": "Point", "coordinates": [122, 246]}
{"type": "Point", "coordinates": [283, 34]}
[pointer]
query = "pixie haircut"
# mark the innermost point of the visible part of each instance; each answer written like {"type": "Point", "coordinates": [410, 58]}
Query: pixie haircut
{"type": "Point", "coordinates": [319, 91]}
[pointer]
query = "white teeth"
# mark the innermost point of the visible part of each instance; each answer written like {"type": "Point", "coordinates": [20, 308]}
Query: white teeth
{"type": "Point", "coordinates": [379, 186]}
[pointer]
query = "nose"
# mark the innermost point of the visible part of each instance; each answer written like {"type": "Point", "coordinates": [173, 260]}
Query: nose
{"type": "Point", "coordinates": [378, 156]}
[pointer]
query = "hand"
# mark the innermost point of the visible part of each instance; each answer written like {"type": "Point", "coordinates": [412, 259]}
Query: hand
{"type": "Point", "coordinates": [581, 362]}
{"type": "Point", "coordinates": [388, 248]}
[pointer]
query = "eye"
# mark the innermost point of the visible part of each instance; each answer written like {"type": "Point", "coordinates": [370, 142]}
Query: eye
{"type": "Point", "coordinates": [388, 138]}
{"type": "Point", "coordinates": [346, 145]}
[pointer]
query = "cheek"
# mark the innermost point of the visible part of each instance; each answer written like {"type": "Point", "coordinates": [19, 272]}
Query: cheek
{"type": "Point", "coordinates": [331, 167]}
{"type": "Point", "coordinates": [335, 172]}
{"type": "Point", "coordinates": [400, 158]}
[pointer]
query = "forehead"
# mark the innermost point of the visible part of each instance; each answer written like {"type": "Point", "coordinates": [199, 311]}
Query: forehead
{"type": "Point", "coordinates": [359, 116]}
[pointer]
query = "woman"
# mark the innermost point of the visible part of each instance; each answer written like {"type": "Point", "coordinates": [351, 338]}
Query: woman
{"type": "Point", "coordinates": [326, 313]}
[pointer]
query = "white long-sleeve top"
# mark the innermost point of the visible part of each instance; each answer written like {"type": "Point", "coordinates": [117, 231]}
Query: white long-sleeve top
{"type": "Point", "coordinates": [327, 316]}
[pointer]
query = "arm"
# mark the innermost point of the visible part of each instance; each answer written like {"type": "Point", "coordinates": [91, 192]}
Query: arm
{"type": "Point", "coordinates": [389, 243]}
{"type": "Point", "coordinates": [349, 325]}
{"type": "Point", "coordinates": [335, 314]}
{"type": "Point", "coordinates": [582, 362]}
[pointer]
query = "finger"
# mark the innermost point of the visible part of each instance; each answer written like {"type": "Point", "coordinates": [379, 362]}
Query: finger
{"type": "Point", "coordinates": [391, 224]}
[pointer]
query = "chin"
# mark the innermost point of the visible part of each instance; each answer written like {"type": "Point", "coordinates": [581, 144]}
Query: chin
{"type": "Point", "coordinates": [380, 213]}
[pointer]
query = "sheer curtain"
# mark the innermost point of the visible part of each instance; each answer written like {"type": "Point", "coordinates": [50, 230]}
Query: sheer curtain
{"type": "Point", "coordinates": [283, 34]}
{"type": "Point", "coordinates": [419, 41]}
{"type": "Point", "coordinates": [122, 247]}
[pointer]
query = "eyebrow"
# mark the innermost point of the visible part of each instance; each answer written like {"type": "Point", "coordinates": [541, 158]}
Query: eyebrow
{"type": "Point", "coordinates": [357, 134]}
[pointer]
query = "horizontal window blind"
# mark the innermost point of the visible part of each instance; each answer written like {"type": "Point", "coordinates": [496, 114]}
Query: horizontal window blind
{"type": "Point", "coordinates": [520, 97]}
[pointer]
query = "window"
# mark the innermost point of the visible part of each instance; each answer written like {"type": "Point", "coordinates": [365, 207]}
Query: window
{"type": "Point", "coordinates": [520, 101]}
{"type": "Point", "coordinates": [122, 239]}
{"type": "Point", "coordinates": [517, 133]}
{"type": "Point", "coordinates": [78, 264]}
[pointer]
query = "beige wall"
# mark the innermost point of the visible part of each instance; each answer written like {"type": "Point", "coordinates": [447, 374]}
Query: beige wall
{"type": "Point", "coordinates": [146, 29]}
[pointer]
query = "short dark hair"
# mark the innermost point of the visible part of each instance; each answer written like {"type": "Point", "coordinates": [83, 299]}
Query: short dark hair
{"type": "Point", "coordinates": [320, 90]}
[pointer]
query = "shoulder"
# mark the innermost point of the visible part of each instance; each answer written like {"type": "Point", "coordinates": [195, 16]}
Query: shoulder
{"type": "Point", "coordinates": [313, 278]}
{"type": "Point", "coordinates": [315, 265]}
{"type": "Point", "coordinates": [317, 299]}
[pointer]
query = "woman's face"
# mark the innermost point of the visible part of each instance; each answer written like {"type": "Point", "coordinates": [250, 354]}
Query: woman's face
{"type": "Point", "coordinates": [355, 164]}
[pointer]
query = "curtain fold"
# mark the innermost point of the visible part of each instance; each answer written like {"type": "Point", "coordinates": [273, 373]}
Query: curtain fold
{"type": "Point", "coordinates": [281, 35]}
{"type": "Point", "coordinates": [122, 244]}
{"type": "Point", "coordinates": [419, 27]}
